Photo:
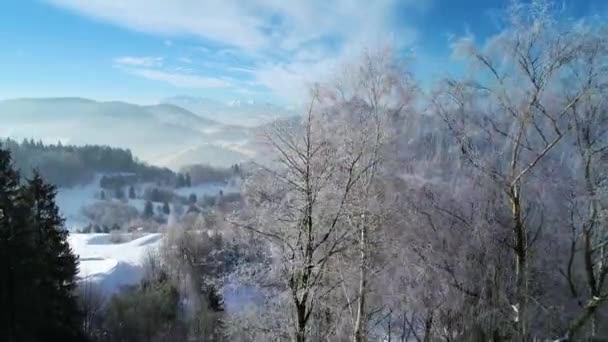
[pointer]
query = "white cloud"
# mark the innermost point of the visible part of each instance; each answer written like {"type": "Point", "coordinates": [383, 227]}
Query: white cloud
{"type": "Point", "coordinates": [185, 60]}
{"type": "Point", "coordinates": [139, 61]}
{"type": "Point", "coordinates": [285, 43]}
{"type": "Point", "coordinates": [168, 42]}
{"type": "Point", "coordinates": [182, 80]}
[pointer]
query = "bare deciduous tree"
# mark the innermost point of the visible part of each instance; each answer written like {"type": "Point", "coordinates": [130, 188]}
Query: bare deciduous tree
{"type": "Point", "coordinates": [300, 207]}
{"type": "Point", "coordinates": [512, 115]}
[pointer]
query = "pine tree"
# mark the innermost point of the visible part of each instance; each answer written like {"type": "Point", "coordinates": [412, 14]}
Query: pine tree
{"type": "Point", "coordinates": [148, 210]}
{"type": "Point", "coordinates": [37, 267]}
{"type": "Point", "coordinates": [166, 208]}
{"type": "Point", "coordinates": [187, 180]}
{"type": "Point", "coordinates": [57, 266]}
{"type": "Point", "coordinates": [11, 251]}
{"type": "Point", "coordinates": [131, 192]}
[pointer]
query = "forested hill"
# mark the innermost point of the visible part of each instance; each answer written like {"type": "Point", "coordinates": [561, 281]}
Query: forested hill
{"type": "Point", "coordinates": [68, 165]}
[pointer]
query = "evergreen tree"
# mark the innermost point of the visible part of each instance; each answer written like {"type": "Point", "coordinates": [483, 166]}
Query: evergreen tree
{"type": "Point", "coordinates": [187, 180]}
{"type": "Point", "coordinates": [181, 181]}
{"type": "Point", "coordinates": [119, 193]}
{"type": "Point", "coordinates": [166, 208]}
{"type": "Point", "coordinates": [13, 251]}
{"type": "Point", "coordinates": [131, 192]}
{"type": "Point", "coordinates": [148, 210]}
{"type": "Point", "coordinates": [57, 265]}
{"type": "Point", "coordinates": [37, 267]}
{"type": "Point", "coordinates": [102, 195]}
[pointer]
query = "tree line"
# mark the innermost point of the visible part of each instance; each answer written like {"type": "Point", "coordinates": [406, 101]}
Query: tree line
{"type": "Point", "coordinates": [68, 165]}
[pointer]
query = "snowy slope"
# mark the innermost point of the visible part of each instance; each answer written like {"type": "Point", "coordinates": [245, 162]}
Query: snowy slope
{"type": "Point", "coordinates": [111, 266]}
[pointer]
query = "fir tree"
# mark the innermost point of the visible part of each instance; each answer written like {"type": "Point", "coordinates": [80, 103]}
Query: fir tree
{"type": "Point", "coordinates": [148, 210]}
{"type": "Point", "coordinates": [131, 192]}
{"type": "Point", "coordinates": [37, 267]}
{"type": "Point", "coordinates": [57, 265]}
{"type": "Point", "coordinates": [166, 208]}
{"type": "Point", "coordinates": [13, 250]}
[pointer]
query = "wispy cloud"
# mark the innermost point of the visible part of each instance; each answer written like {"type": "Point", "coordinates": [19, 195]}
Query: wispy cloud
{"type": "Point", "coordinates": [139, 61]}
{"type": "Point", "coordinates": [282, 44]}
{"type": "Point", "coordinates": [154, 68]}
{"type": "Point", "coordinates": [182, 80]}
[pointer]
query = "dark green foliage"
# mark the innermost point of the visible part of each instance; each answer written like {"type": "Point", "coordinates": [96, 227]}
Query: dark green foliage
{"type": "Point", "coordinates": [146, 313]}
{"type": "Point", "coordinates": [200, 174]}
{"type": "Point", "coordinates": [67, 165]}
{"type": "Point", "coordinates": [158, 195]}
{"type": "Point", "coordinates": [131, 192]}
{"type": "Point", "coordinates": [192, 199]}
{"type": "Point", "coordinates": [86, 229]}
{"type": "Point", "coordinates": [166, 208]}
{"type": "Point", "coordinates": [37, 266]}
{"type": "Point", "coordinates": [117, 181]}
{"type": "Point", "coordinates": [236, 169]}
{"type": "Point", "coordinates": [180, 181]}
{"type": "Point", "coordinates": [183, 180]}
{"type": "Point", "coordinates": [102, 195]}
{"type": "Point", "coordinates": [152, 311]}
{"type": "Point", "coordinates": [148, 210]}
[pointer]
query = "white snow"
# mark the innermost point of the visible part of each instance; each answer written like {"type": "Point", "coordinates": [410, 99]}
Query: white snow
{"type": "Point", "coordinates": [111, 266]}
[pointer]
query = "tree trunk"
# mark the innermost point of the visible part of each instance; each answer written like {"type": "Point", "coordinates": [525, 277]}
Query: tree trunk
{"type": "Point", "coordinates": [521, 260]}
{"type": "Point", "coordinates": [300, 334]}
{"type": "Point", "coordinates": [428, 324]}
{"type": "Point", "coordinates": [360, 333]}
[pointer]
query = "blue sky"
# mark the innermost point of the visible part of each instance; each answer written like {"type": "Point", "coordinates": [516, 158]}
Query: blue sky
{"type": "Point", "coordinates": [269, 50]}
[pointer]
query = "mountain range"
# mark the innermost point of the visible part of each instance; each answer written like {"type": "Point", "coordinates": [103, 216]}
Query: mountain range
{"type": "Point", "coordinates": [240, 112]}
{"type": "Point", "coordinates": [168, 134]}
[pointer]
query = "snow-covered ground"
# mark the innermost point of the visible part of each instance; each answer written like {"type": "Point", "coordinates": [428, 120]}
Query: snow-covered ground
{"type": "Point", "coordinates": [72, 200]}
{"type": "Point", "coordinates": [111, 266]}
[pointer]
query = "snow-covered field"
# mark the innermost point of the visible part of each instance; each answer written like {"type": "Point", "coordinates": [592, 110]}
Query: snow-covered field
{"type": "Point", "coordinates": [72, 200]}
{"type": "Point", "coordinates": [108, 265]}
{"type": "Point", "coordinates": [112, 266]}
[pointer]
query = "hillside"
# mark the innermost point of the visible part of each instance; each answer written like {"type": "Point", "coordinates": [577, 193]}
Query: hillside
{"type": "Point", "coordinates": [68, 165]}
{"type": "Point", "coordinates": [236, 112]}
{"type": "Point", "coordinates": [154, 133]}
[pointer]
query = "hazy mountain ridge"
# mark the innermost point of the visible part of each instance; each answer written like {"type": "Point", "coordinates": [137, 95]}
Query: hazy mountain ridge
{"type": "Point", "coordinates": [248, 113]}
{"type": "Point", "coordinates": [155, 133]}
